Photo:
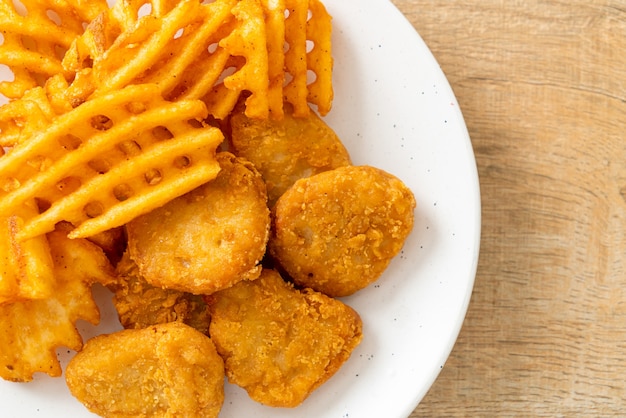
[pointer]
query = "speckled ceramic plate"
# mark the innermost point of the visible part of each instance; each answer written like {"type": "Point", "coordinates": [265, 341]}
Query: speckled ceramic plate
{"type": "Point", "coordinates": [394, 109]}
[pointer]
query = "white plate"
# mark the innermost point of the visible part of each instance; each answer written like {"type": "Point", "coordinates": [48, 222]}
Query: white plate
{"type": "Point", "coordinates": [394, 109]}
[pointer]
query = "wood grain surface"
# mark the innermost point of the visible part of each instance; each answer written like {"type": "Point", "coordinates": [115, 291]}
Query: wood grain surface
{"type": "Point", "coordinates": [542, 85]}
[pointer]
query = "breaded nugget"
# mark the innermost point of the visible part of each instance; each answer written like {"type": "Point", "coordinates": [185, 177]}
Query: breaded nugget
{"type": "Point", "coordinates": [337, 231]}
{"type": "Point", "coordinates": [279, 343]}
{"type": "Point", "coordinates": [140, 304]}
{"type": "Point", "coordinates": [286, 150]}
{"type": "Point", "coordinates": [167, 370]}
{"type": "Point", "coordinates": [209, 238]}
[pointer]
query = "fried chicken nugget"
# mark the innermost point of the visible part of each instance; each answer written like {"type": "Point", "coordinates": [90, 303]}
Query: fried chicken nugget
{"type": "Point", "coordinates": [280, 343]}
{"type": "Point", "coordinates": [167, 370]}
{"type": "Point", "coordinates": [337, 231]}
{"type": "Point", "coordinates": [140, 305]}
{"type": "Point", "coordinates": [288, 149]}
{"type": "Point", "coordinates": [209, 238]}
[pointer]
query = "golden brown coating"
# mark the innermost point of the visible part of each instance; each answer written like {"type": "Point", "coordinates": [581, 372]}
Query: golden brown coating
{"type": "Point", "coordinates": [337, 231]}
{"type": "Point", "coordinates": [209, 238]}
{"type": "Point", "coordinates": [167, 370]}
{"type": "Point", "coordinates": [288, 149]}
{"type": "Point", "coordinates": [140, 304]}
{"type": "Point", "coordinates": [279, 343]}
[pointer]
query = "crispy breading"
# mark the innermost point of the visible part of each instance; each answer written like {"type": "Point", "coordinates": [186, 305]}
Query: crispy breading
{"type": "Point", "coordinates": [288, 149]}
{"type": "Point", "coordinates": [280, 343]}
{"type": "Point", "coordinates": [208, 239]}
{"type": "Point", "coordinates": [166, 370]}
{"type": "Point", "coordinates": [337, 231]}
{"type": "Point", "coordinates": [139, 304]}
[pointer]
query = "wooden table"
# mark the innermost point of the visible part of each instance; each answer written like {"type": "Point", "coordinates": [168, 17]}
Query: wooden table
{"type": "Point", "coordinates": [542, 85]}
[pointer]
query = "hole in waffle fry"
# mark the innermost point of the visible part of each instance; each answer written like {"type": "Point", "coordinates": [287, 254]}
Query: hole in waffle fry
{"type": "Point", "coordinates": [162, 133]}
{"type": "Point", "coordinates": [68, 185]}
{"type": "Point", "coordinates": [29, 43]}
{"type": "Point", "coordinates": [42, 204]}
{"type": "Point", "coordinates": [93, 209]}
{"type": "Point", "coordinates": [101, 122]}
{"type": "Point", "coordinates": [122, 192]}
{"type": "Point", "coordinates": [20, 8]}
{"type": "Point", "coordinates": [153, 176]}
{"type": "Point", "coordinates": [59, 52]}
{"type": "Point", "coordinates": [54, 16]}
{"type": "Point", "coordinates": [70, 142]}
{"type": "Point", "coordinates": [10, 184]}
{"type": "Point", "coordinates": [179, 33]}
{"type": "Point", "coordinates": [99, 166]}
{"type": "Point", "coordinates": [136, 107]}
{"type": "Point", "coordinates": [130, 148]}
{"type": "Point", "coordinates": [144, 10]}
{"type": "Point", "coordinates": [288, 78]}
{"type": "Point", "coordinates": [7, 73]}
{"type": "Point", "coordinates": [194, 123]}
{"type": "Point", "coordinates": [310, 76]}
{"type": "Point", "coordinates": [228, 71]}
{"type": "Point", "coordinates": [212, 48]}
{"type": "Point", "coordinates": [182, 162]}
{"type": "Point", "coordinates": [309, 45]}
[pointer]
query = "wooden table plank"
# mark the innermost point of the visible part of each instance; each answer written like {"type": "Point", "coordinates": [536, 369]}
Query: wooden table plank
{"type": "Point", "coordinates": [542, 86]}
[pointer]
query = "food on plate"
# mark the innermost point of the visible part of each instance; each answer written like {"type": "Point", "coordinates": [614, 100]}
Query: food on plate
{"type": "Point", "coordinates": [114, 170]}
{"type": "Point", "coordinates": [112, 241]}
{"type": "Point", "coordinates": [166, 370]}
{"type": "Point", "coordinates": [140, 305]}
{"type": "Point", "coordinates": [109, 160]}
{"type": "Point", "coordinates": [212, 51]}
{"type": "Point", "coordinates": [26, 270]}
{"type": "Point", "coordinates": [35, 34]}
{"type": "Point", "coordinates": [280, 343]}
{"type": "Point", "coordinates": [337, 231]}
{"type": "Point", "coordinates": [209, 238]}
{"type": "Point", "coordinates": [32, 330]}
{"type": "Point", "coordinates": [288, 149]}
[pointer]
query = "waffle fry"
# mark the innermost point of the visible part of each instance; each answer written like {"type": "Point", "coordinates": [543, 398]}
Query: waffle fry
{"type": "Point", "coordinates": [211, 51]}
{"type": "Point", "coordinates": [249, 40]}
{"type": "Point", "coordinates": [319, 58]}
{"type": "Point", "coordinates": [25, 267]}
{"type": "Point", "coordinates": [33, 329]}
{"type": "Point", "coordinates": [109, 160]}
{"type": "Point", "coordinates": [275, 21]}
{"type": "Point", "coordinates": [37, 36]}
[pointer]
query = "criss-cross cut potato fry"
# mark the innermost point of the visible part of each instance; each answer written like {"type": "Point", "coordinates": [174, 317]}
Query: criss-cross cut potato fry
{"type": "Point", "coordinates": [320, 59]}
{"type": "Point", "coordinates": [36, 36]}
{"type": "Point", "coordinates": [215, 51]}
{"type": "Point", "coordinates": [109, 160]}
{"type": "Point", "coordinates": [25, 267]}
{"type": "Point", "coordinates": [300, 29]}
{"type": "Point", "coordinates": [32, 330]}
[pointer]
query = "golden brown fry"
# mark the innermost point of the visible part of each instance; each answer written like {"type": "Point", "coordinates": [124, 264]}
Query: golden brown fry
{"type": "Point", "coordinates": [279, 343]}
{"type": "Point", "coordinates": [140, 305]}
{"type": "Point", "coordinates": [35, 39]}
{"type": "Point", "coordinates": [215, 51]}
{"type": "Point", "coordinates": [167, 370]}
{"type": "Point", "coordinates": [337, 231]}
{"type": "Point", "coordinates": [26, 267]}
{"type": "Point", "coordinates": [31, 330]}
{"type": "Point", "coordinates": [249, 40]}
{"type": "Point", "coordinates": [209, 238]}
{"type": "Point", "coordinates": [320, 58]}
{"type": "Point", "coordinates": [286, 150]}
{"type": "Point", "coordinates": [109, 160]}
